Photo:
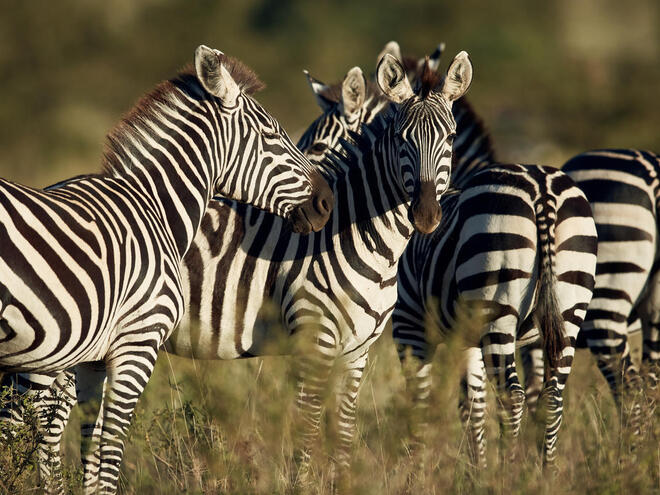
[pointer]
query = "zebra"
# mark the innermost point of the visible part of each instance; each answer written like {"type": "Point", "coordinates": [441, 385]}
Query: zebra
{"type": "Point", "coordinates": [516, 251]}
{"type": "Point", "coordinates": [90, 271]}
{"type": "Point", "coordinates": [623, 188]}
{"type": "Point", "coordinates": [335, 288]}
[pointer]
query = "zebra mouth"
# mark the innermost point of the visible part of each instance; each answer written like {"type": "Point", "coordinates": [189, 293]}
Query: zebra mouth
{"type": "Point", "coordinates": [425, 212]}
{"type": "Point", "coordinates": [299, 222]}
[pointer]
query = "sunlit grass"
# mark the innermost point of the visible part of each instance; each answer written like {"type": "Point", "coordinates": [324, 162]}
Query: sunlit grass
{"type": "Point", "coordinates": [228, 427]}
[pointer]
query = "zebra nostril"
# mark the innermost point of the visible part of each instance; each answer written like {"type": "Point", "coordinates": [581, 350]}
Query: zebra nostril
{"type": "Point", "coordinates": [322, 205]}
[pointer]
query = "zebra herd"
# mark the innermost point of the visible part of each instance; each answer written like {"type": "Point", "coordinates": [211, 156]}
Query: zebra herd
{"type": "Point", "coordinates": [206, 212]}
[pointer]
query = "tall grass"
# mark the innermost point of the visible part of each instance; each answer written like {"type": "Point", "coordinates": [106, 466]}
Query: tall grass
{"type": "Point", "coordinates": [228, 427]}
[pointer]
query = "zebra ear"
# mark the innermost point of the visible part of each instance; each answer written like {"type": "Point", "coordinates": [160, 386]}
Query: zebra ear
{"type": "Point", "coordinates": [320, 90]}
{"type": "Point", "coordinates": [353, 91]}
{"type": "Point", "coordinates": [459, 77]}
{"type": "Point", "coordinates": [392, 80]}
{"type": "Point", "coordinates": [393, 48]}
{"type": "Point", "coordinates": [214, 77]}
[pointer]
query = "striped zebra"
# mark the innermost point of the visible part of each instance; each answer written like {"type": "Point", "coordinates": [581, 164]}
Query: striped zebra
{"type": "Point", "coordinates": [90, 271]}
{"type": "Point", "coordinates": [623, 188]}
{"type": "Point", "coordinates": [516, 253]}
{"type": "Point", "coordinates": [336, 288]}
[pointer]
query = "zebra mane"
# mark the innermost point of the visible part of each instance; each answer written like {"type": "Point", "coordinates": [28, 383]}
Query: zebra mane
{"type": "Point", "coordinates": [350, 155]}
{"type": "Point", "coordinates": [473, 147]}
{"type": "Point", "coordinates": [185, 85]}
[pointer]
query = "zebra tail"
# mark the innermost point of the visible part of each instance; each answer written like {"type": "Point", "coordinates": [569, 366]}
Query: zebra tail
{"type": "Point", "coordinates": [547, 313]}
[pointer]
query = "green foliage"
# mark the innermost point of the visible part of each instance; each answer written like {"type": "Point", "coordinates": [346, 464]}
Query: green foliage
{"type": "Point", "coordinates": [19, 445]}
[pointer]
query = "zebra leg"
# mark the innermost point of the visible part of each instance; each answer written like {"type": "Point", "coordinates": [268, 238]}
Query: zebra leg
{"type": "Point", "coordinates": [552, 396]}
{"type": "Point", "coordinates": [499, 356]}
{"type": "Point", "coordinates": [472, 406]}
{"type": "Point", "coordinates": [615, 363]}
{"type": "Point", "coordinates": [127, 376]}
{"type": "Point", "coordinates": [651, 353]}
{"type": "Point", "coordinates": [314, 367]}
{"type": "Point", "coordinates": [346, 406]}
{"type": "Point", "coordinates": [90, 378]}
{"type": "Point", "coordinates": [58, 401]}
{"type": "Point", "coordinates": [533, 365]}
{"type": "Point", "coordinates": [52, 411]}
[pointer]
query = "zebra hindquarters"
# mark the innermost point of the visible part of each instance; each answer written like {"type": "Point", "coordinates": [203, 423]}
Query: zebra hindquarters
{"type": "Point", "coordinates": [566, 281]}
{"type": "Point", "coordinates": [621, 186]}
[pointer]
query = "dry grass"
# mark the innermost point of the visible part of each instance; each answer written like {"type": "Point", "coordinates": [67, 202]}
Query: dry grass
{"type": "Point", "coordinates": [214, 427]}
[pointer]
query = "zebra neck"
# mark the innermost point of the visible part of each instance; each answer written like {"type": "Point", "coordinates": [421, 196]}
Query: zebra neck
{"type": "Point", "coordinates": [369, 200]}
{"type": "Point", "coordinates": [473, 150]}
{"type": "Point", "coordinates": [166, 160]}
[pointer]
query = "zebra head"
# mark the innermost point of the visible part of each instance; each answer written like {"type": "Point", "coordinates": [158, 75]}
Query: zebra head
{"type": "Point", "coordinates": [345, 107]}
{"type": "Point", "coordinates": [423, 130]}
{"type": "Point", "coordinates": [254, 153]}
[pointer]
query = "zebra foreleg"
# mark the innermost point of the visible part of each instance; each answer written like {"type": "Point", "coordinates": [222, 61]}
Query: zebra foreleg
{"type": "Point", "coordinates": [314, 367]}
{"type": "Point", "coordinates": [58, 402]}
{"type": "Point", "coordinates": [472, 406]}
{"type": "Point", "coordinates": [345, 413]}
{"type": "Point", "coordinates": [346, 408]}
{"type": "Point", "coordinates": [127, 376]}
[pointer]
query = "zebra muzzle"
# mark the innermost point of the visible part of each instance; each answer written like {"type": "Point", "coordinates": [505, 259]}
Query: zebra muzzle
{"type": "Point", "coordinates": [313, 214]}
{"type": "Point", "coordinates": [425, 210]}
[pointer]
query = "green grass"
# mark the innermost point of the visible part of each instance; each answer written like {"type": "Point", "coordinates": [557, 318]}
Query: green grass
{"type": "Point", "coordinates": [227, 427]}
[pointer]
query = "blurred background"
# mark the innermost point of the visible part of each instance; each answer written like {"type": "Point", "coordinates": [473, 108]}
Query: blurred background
{"type": "Point", "coordinates": [551, 78]}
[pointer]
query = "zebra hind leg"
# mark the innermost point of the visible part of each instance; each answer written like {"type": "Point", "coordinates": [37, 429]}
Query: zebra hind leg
{"type": "Point", "coordinates": [35, 390]}
{"type": "Point", "coordinates": [501, 364]}
{"type": "Point", "coordinates": [552, 397]}
{"type": "Point", "coordinates": [534, 367]}
{"type": "Point", "coordinates": [472, 406]}
{"type": "Point", "coordinates": [58, 401]}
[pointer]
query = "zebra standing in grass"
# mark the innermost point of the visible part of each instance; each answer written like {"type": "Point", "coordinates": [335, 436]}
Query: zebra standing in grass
{"type": "Point", "coordinates": [516, 252]}
{"type": "Point", "coordinates": [335, 288]}
{"type": "Point", "coordinates": [623, 188]}
{"type": "Point", "coordinates": [90, 271]}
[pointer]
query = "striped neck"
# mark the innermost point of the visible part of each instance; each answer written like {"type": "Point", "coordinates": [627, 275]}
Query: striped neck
{"type": "Point", "coordinates": [168, 150]}
{"type": "Point", "coordinates": [369, 198]}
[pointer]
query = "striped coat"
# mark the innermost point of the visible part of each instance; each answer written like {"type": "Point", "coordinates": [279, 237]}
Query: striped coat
{"type": "Point", "coordinates": [335, 289]}
{"type": "Point", "coordinates": [90, 271]}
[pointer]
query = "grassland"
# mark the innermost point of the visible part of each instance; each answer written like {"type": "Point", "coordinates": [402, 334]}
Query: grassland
{"type": "Point", "coordinates": [227, 427]}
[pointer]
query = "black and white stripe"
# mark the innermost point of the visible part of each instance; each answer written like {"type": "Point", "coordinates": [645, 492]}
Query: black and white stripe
{"type": "Point", "coordinates": [516, 254]}
{"type": "Point", "coordinates": [623, 189]}
{"type": "Point", "coordinates": [335, 288]}
{"type": "Point", "coordinates": [90, 271]}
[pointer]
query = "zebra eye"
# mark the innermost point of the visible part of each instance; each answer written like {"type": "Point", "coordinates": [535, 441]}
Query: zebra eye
{"type": "Point", "coordinates": [319, 147]}
{"type": "Point", "coordinates": [450, 138]}
{"type": "Point", "coordinates": [271, 135]}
